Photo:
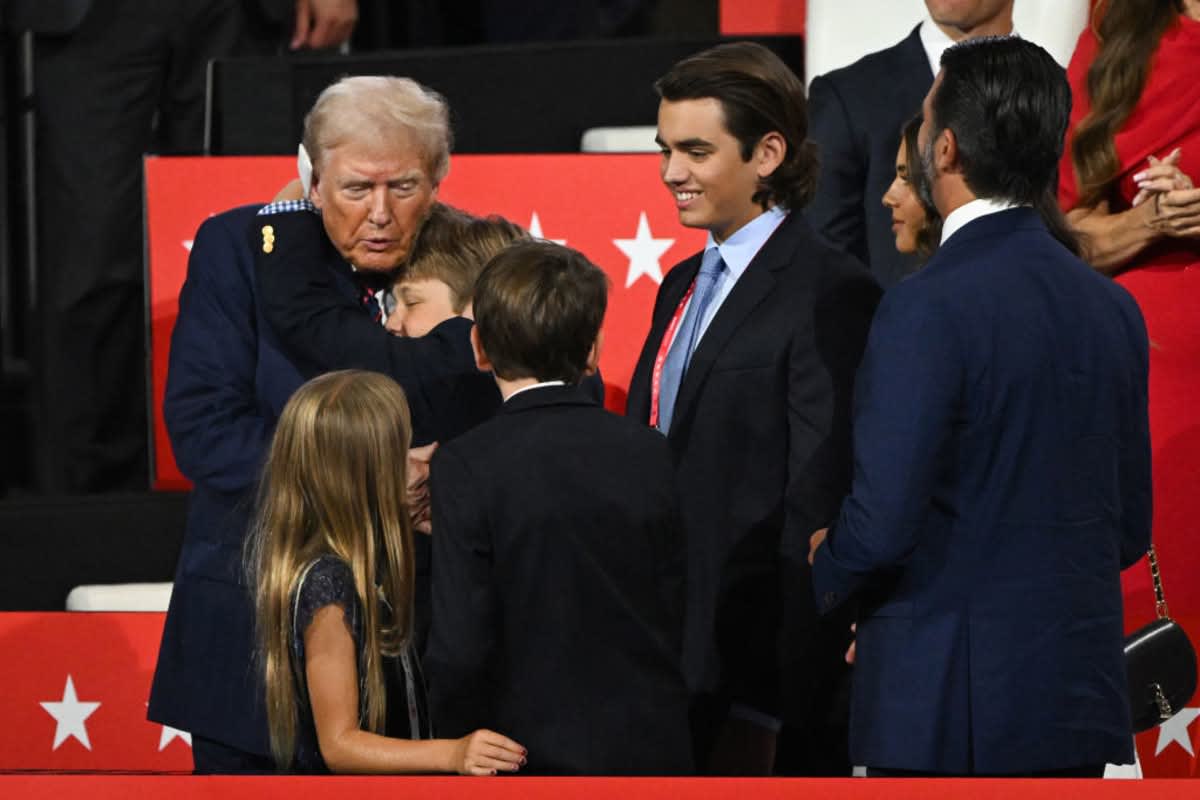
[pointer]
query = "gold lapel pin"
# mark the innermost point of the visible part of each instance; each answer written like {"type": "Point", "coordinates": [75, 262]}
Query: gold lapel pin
{"type": "Point", "coordinates": [268, 234]}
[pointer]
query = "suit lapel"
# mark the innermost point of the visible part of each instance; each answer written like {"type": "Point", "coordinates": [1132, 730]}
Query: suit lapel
{"type": "Point", "coordinates": [917, 60]}
{"type": "Point", "coordinates": [755, 286]}
{"type": "Point", "coordinates": [674, 287]}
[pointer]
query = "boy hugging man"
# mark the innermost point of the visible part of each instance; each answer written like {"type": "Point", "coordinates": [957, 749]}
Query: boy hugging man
{"type": "Point", "coordinates": [439, 279]}
{"type": "Point", "coordinates": [559, 558]}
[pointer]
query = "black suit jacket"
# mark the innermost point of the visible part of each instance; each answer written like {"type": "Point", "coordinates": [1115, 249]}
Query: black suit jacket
{"type": "Point", "coordinates": [761, 441]}
{"type": "Point", "coordinates": [558, 589]}
{"type": "Point", "coordinates": [855, 117]}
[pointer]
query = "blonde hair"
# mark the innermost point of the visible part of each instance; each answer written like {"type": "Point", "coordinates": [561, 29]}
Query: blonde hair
{"type": "Point", "coordinates": [334, 484]}
{"type": "Point", "coordinates": [454, 246]}
{"type": "Point", "coordinates": [373, 109]}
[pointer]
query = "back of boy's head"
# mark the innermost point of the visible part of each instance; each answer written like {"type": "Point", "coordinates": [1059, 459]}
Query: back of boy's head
{"type": "Point", "coordinates": [454, 246]}
{"type": "Point", "coordinates": [538, 309]}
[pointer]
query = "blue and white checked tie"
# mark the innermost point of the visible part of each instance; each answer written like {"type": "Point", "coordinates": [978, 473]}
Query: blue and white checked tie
{"type": "Point", "coordinates": [676, 364]}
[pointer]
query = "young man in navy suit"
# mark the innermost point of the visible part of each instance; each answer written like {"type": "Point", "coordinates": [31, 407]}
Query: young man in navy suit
{"type": "Point", "coordinates": [747, 370]}
{"type": "Point", "coordinates": [857, 113]}
{"type": "Point", "coordinates": [558, 554]}
{"type": "Point", "coordinates": [1002, 461]}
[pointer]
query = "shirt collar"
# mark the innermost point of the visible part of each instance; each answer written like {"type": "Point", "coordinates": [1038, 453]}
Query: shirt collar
{"type": "Point", "coordinates": [969, 212]}
{"type": "Point", "coordinates": [935, 41]}
{"type": "Point", "coordinates": [541, 385]}
{"type": "Point", "coordinates": [740, 249]}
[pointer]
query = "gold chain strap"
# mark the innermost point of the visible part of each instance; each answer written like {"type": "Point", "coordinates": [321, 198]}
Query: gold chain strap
{"type": "Point", "coordinates": [1160, 599]}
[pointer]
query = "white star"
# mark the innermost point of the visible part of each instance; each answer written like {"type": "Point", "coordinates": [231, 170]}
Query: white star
{"type": "Point", "coordinates": [187, 245]}
{"type": "Point", "coordinates": [69, 715]}
{"type": "Point", "coordinates": [169, 733]}
{"type": "Point", "coordinates": [1176, 730]}
{"type": "Point", "coordinates": [535, 230]}
{"type": "Point", "coordinates": [643, 251]}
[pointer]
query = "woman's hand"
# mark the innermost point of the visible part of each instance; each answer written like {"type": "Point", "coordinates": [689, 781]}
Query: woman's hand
{"type": "Point", "coordinates": [1161, 176]}
{"type": "Point", "coordinates": [1177, 213]}
{"type": "Point", "coordinates": [486, 752]}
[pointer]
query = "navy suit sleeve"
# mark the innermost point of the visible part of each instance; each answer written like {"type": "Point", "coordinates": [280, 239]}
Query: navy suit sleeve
{"type": "Point", "coordinates": [218, 432]}
{"type": "Point", "coordinates": [907, 395]}
{"type": "Point", "coordinates": [837, 209]}
{"type": "Point", "coordinates": [322, 325]}
{"type": "Point", "coordinates": [465, 627]}
{"type": "Point", "coordinates": [1134, 464]}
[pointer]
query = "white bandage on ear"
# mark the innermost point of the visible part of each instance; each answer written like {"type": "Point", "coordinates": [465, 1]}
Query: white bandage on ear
{"type": "Point", "coordinates": [304, 167]}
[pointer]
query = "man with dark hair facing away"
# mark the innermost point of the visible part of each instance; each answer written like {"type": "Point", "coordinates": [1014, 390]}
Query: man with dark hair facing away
{"type": "Point", "coordinates": [558, 554]}
{"type": "Point", "coordinates": [1002, 460]}
{"type": "Point", "coordinates": [747, 370]}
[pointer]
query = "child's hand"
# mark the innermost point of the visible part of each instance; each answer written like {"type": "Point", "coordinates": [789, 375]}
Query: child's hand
{"type": "Point", "coordinates": [486, 752]}
{"type": "Point", "coordinates": [293, 191]}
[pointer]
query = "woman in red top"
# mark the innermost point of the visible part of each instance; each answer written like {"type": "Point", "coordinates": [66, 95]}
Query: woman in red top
{"type": "Point", "coordinates": [1126, 183]}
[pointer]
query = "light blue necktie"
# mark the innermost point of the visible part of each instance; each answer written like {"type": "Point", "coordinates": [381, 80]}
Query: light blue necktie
{"type": "Point", "coordinates": [676, 364]}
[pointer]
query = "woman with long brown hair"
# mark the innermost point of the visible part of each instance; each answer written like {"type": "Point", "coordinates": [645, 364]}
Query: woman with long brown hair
{"type": "Point", "coordinates": [331, 562]}
{"type": "Point", "coordinates": [1126, 182]}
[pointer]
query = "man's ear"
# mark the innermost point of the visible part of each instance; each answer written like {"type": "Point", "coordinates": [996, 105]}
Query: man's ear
{"type": "Point", "coordinates": [946, 151]}
{"type": "Point", "coordinates": [593, 362]}
{"type": "Point", "coordinates": [769, 153]}
{"type": "Point", "coordinates": [482, 363]}
{"type": "Point", "coordinates": [314, 193]}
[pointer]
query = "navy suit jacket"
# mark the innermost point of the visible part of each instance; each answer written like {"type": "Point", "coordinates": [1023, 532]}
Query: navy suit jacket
{"type": "Point", "coordinates": [761, 442]}
{"type": "Point", "coordinates": [227, 383]}
{"type": "Point", "coordinates": [1001, 482]}
{"type": "Point", "coordinates": [855, 116]}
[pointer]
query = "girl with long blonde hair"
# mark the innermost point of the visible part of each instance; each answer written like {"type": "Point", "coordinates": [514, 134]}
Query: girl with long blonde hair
{"type": "Point", "coordinates": [331, 561]}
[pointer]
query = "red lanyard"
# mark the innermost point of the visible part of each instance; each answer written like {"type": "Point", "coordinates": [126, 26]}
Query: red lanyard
{"type": "Point", "coordinates": [663, 348]}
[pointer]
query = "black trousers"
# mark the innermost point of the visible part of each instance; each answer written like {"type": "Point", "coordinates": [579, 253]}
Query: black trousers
{"type": "Point", "coordinates": [129, 80]}
{"type": "Point", "coordinates": [210, 757]}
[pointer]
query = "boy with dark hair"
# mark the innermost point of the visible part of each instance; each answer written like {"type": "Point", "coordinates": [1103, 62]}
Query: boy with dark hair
{"type": "Point", "coordinates": [558, 578]}
{"type": "Point", "coordinates": [748, 369]}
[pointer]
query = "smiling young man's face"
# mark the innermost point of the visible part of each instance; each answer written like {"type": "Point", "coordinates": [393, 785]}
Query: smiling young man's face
{"type": "Point", "coordinates": [703, 168]}
{"type": "Point", "coordinates": [373, 201]}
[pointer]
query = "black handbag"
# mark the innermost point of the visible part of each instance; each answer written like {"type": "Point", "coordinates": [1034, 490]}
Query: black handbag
{"type": "Point", "coordinates": [1160, 663]}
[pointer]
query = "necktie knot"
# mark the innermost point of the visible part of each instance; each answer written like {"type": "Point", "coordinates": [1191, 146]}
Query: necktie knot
{"type": "Point", "coordinates": [711, 265]}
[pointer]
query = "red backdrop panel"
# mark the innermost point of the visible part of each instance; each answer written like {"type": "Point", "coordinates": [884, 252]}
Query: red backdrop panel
{"type": "Point", "coordinates": [743, 18]}
{"type": "Point", "coordinates": [595, 203]}
{"type": "Point", "coordinates": [98, 721]}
